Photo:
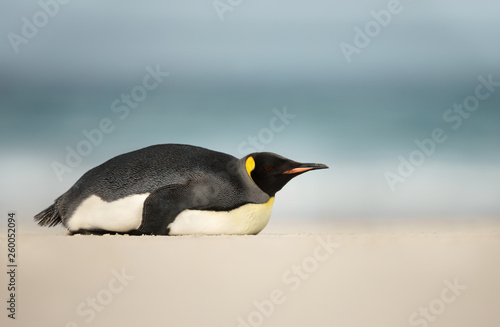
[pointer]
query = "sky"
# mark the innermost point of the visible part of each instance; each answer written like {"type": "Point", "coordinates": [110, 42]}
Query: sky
{"type": "Point", "coordinates": [371, 88]}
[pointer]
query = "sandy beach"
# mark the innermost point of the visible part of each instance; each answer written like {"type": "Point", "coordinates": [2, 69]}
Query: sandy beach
{"type": "Point", "coordinates": [348, 275]}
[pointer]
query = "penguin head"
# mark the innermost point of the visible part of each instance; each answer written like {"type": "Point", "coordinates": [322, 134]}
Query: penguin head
{"type": "Point", "coordinates": [271, 171]}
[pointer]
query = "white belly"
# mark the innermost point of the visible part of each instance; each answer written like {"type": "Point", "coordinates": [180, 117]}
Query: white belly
{"type": "Point", "coordinates": [248, 219]}
{"type": "Point", "coordinates": [122, 215]}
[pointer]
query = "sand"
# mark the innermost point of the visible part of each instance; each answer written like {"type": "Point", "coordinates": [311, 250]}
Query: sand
{"type": "Point", "coordinates": [377, 274]}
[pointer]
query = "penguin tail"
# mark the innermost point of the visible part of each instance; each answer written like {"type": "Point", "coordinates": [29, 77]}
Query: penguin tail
{"type": "Point", "coordinates": [49, 217]}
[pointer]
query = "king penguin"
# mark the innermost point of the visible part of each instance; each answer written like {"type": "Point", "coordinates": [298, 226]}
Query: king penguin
{"type": "Point", "coordinates": [175, 189]}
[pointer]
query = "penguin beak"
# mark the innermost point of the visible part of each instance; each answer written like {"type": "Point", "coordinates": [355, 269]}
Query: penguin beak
{"type": "Point", "coordinates": [305, 167]}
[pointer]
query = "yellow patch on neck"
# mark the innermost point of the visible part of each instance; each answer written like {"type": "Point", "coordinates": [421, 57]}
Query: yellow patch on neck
{"type": "Point", "coordinates": [250, 166]}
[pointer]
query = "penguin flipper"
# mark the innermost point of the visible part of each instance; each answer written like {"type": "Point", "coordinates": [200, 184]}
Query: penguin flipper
{"type": "Point", "coordinates": [162, 206]}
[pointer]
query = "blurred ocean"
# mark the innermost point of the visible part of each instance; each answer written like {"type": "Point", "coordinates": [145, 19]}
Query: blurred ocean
{"type": "Point", "coordinates": [227, 79]}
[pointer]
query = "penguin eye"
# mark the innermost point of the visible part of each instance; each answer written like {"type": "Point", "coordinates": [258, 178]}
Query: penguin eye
{"type": "Point", "coordinates": [269, 168]}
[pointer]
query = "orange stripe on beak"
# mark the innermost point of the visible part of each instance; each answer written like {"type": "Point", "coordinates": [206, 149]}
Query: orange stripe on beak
{"type": "Point", "coordinates": [297, 170]}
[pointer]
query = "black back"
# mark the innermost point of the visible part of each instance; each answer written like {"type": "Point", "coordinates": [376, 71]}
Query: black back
{"type": "Point", "coordinates": [156, 166]}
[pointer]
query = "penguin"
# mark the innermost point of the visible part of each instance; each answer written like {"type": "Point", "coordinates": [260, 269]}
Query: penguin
{"type": "Point", "coordinates": [175, 189]}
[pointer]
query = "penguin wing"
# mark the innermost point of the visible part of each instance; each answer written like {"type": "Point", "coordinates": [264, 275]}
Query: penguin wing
{"type": "Point", "coordinates": [164, 204]}
{"type": "Point", "coordinates": [161, 207]}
